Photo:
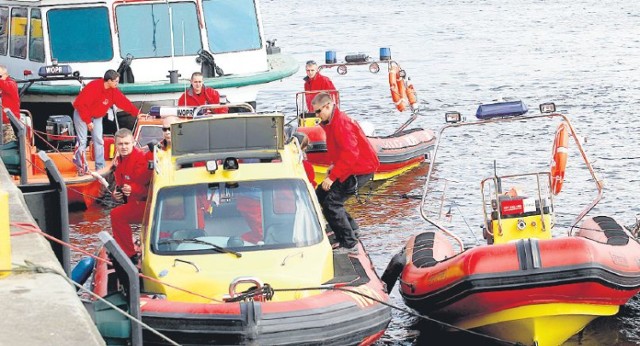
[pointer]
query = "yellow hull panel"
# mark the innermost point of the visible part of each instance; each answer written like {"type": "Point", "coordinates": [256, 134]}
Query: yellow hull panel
{"type": "Point", "coordinates": [541, 324]}
{"type": "Point", "coordinates": [321, 172]}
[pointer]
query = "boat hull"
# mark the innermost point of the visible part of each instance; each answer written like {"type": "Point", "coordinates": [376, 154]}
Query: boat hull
{"type": "Point", "coordinates": [397, 153]}
{"type": "Point", "coordinates": [344, 313]}
{"type": "Point", "coordinates": [82, 191]}
{"type": "Point", "coordinates": [516, 290]}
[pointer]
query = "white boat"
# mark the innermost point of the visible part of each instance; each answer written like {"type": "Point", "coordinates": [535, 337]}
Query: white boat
{"type": "Point", "coordinates": [155, 45]}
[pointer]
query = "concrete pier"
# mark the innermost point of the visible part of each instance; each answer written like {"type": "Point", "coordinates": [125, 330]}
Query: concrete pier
{"type": "Point", "coordinates": [38, 308]}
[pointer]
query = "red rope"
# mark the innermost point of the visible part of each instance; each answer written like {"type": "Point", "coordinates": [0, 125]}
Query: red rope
{"type": "Point", "coordinates": [31, 228]}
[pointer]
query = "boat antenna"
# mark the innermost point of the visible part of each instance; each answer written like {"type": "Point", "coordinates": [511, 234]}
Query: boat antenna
{"type": "Point", "coordinates": [498, 180]}
{"type": "Point", "coordinates": [173, 74]}
{"type": "Point", "coordinates": [173, 53]}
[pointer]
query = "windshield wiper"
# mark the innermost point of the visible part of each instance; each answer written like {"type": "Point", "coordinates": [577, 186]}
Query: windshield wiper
{"type": "Point", "coordinates": [203, 242]}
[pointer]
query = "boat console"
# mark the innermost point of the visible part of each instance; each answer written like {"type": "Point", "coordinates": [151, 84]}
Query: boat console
{"type": "Point", "coordinates": [512, 215]}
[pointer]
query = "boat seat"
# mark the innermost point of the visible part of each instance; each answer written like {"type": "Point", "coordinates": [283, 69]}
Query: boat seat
{"type": "Point", "coordinates": [188, 233]}
{"type": "Point", "coordinates": [279, 233]}
{"type": "Point", "coordinates": [235, 241]}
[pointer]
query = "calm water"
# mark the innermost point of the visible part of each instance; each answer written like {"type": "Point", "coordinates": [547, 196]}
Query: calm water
{"type": "Point", "coordinates": [582, 55]}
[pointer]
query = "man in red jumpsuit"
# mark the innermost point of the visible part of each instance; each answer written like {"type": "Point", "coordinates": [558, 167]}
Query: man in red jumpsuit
{"type": "Point", "coordinates": [353, 162]}
{"type": "Point", "coordinates": [90, 106]}
{"type": "Point", "coordinates": [314, 83]}
{"type": "Point", "coordinates": [10, 99]}
{"type": "Point", "coordinates": [132, 183]}
{"type": "Point", "coordinates": [199, 95]}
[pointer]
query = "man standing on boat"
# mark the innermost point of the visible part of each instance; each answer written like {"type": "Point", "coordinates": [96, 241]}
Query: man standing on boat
{"type": "Point", "coordinates": [199, 95]}
{"type": "Point", "coordinates": [90, 106]}
{"type": "Point", "coordinates": [353, 162]}
{"type": "Point", "coordinates": [10, 99]}
{"type": "Point", "coordinates": [315, 83]}
{"type": "Point", "coordinates": [132, 176]}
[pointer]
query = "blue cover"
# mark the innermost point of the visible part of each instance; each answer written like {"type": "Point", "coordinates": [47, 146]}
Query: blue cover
{"type": "Point", "coordinates": [83, 269]}
{"type": "Point", "coordinates": [501, 109]}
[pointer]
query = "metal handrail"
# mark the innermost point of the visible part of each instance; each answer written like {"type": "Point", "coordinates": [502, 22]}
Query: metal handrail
{"type": "Point", "coordinates": [425, 191]}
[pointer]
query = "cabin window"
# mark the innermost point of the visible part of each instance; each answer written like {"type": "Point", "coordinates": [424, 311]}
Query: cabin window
{"type": "Point", "coordinates": [36, 41]}
{"type": "Point", "coordinates": [244, 216]}
{"type": "Point", "coordinates": [144, 30]}
{"type": "Point", "coordinates": [80, 34]}
{"type": "Point", "coordinates": [148, 134]}
{"type": "Point", "coordinates": [4, 30]}
{"type": "Point", "coordinates": [18, 40]}
{"type": "Point", "coordinates": [232, 26]}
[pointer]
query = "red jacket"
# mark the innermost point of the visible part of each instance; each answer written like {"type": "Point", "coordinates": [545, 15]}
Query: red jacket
{"type": "Point", "coordinates": [318, 83]}
{"type": "Point", "coordinates": [94, 101]}
{"type": "Point", "coordinates": [134, 170]}
{"type": "Point", "coordinates": [208, 96]}
{"type": "Point", "coordinates": [311, 174]}
{"type": "Point", "coordinates": [348, 148]}
{"type": "Point", "coordinates": [10, 98]}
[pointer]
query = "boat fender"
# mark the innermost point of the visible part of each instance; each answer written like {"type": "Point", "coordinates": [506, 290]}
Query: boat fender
{"type": "Point", "coordinates": [83, 269]}
{"type": "Point", "coordinates": [559, 157]}
{"type": "Point", "coordinates": [398, 91]}
{"type": "Point", "coordinates": [411, 96]}
{"type": "Point", "coordinates": [394, 269]}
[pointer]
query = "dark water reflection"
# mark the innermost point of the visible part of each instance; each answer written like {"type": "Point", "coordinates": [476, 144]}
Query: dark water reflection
{"type": "Point", "coordinates": [581, 54]}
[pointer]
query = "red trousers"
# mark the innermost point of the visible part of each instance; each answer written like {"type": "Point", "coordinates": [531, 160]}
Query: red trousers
{"type": "Point", "coordinates": [122, 217]}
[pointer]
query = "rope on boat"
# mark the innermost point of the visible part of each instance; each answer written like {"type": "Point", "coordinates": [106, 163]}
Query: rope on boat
{"type": "Point", "coordinates": [29, 267]}
{"type": "Point", "coordinates": [407, 311]}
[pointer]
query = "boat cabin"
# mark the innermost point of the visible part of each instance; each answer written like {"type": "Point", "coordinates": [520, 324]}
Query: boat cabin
{"type": "Point", "coordinates": [156, 36]}
{"type": "Point", "coordinates": [215, 194]}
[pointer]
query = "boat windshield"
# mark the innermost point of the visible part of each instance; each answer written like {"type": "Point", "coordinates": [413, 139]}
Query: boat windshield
{"type": "Point", "coordinates": [244, 216]}
{"type": "Point", "coordinates": [232, 26]}
{"type": "Point", "coordinates": [145, 31]}
{"type": "Point", "coordinates": [149, 133]}
{"type": "Point", "coordinates": [88, 28]}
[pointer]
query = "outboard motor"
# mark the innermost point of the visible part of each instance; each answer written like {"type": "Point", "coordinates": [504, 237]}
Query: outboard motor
{"type": "Point", "coordinates": [60, 132]}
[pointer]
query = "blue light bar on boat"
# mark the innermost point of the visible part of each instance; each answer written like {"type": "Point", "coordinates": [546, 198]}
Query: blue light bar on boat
{"type": "Point", "coordinates": [501, 109]}
{"type": "Point", "coordinates": [164, 111]}
{"type": "Point", "coordinates": [54, 70]}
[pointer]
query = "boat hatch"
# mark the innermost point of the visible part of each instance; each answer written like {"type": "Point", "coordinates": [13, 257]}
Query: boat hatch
{"type": "Point", "coordinates": [228, 136]}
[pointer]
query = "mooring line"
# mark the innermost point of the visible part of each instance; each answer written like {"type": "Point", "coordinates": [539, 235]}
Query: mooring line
{"type": "Point", "coordinates": [29, 267]}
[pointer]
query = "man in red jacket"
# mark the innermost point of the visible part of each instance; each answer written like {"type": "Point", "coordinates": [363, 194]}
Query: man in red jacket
{"type": "Point", "coordinates": [314, 83]}
{"type": "Point", "coordinates": [353, 162]}
{"type": "Point", "coordinates": [90, 106]}
{"type": "Point", "coordinates": [132, 176]}
{"type": "Point", "coordinates": [199, 95]}
{"type": "Point", "coordinates": [10, 99]}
